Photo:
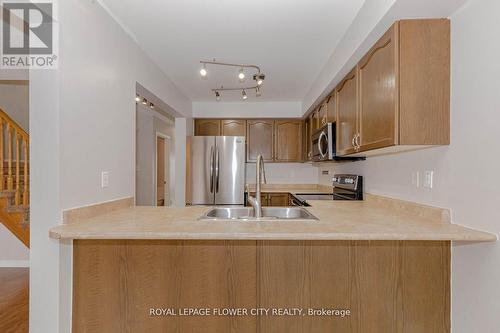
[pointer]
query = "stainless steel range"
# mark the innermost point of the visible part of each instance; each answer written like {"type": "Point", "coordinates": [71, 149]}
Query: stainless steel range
{"type": "Point", "coordinates": [345, 187]}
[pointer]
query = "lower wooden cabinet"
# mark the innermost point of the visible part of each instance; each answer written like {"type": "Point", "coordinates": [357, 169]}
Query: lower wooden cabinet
{"type": "Point", "coordinates": [387, 286]}
{"type": "Point", "coordinates": [274, 199]}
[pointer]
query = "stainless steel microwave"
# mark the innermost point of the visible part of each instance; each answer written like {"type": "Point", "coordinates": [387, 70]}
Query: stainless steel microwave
{"type": "Point", "coordinates": [323, 143]}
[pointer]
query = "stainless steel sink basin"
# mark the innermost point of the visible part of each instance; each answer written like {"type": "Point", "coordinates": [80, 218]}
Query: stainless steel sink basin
{"type": "Point", "coordinates": [268, 213]}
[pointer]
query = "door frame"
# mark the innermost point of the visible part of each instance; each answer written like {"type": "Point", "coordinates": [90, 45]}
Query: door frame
{"type": "Point", "coordinates": [167, 139]}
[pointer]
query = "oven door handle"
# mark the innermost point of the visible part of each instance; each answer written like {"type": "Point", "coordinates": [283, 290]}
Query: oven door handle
{"type": "Point", "coordinates": [321, 136]}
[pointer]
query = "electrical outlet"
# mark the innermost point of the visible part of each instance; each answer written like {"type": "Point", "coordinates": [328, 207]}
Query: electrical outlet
{"type": "Point", "coordinates": [104, 179]}
{"type": "Point", "coordinates": [325, 172]}
{"type": "Point", "coordinates": [428, 178]}
{"type": "Point", "coordinates": [415, 179]}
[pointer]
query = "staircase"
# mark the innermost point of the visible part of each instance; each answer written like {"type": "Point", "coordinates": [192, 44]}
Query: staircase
{"type": "Point", "coordinates": [14, 182]}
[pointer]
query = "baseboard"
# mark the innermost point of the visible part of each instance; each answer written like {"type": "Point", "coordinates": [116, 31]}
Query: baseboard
{"type": "Point", "coordinates": [14, 263]}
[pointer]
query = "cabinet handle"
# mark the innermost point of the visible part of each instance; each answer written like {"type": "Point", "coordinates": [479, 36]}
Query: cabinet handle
{"type": "Point", "coordinates": [354, 141]}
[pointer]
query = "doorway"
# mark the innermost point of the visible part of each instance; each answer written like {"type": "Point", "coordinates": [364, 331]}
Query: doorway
{"type": "Point", "coordinates": [161, 174]}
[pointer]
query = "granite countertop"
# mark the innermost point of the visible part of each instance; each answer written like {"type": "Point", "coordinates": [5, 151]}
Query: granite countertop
{"type": "Point", "coordinates": [376, 218]}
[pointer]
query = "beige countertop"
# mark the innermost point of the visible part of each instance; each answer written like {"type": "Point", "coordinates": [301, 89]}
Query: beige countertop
{"type": "Point", "coordinates": [376, 218]}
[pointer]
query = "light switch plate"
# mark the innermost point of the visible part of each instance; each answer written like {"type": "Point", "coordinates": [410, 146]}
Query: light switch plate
{"type": "Point", "coordinates": [428, 179]}
{"type": "Point", "coordinates": [104, 179]}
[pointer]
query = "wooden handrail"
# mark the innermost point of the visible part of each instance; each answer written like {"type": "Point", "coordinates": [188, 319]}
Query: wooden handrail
{"type": "Point", "coordinates": [13, 124]}
{"type": "Point", "coordinates": [17, 181]}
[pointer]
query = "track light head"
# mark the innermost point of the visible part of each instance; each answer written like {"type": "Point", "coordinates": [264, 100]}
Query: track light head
{"type": "Point", "coordinates": [144, 101]}
{"type": "Point", "coordinates": [244, 94]}
{"type": "Point", "coordinates": [151, 105]}
{"type": "Point", "coordinates": [217, 96]}
{"type": "Point", "coordinates": [204, 72]}
{"type": "Point", "coordinates": [137, 98]}
{"type": "Point", "coordinates": [241, 75]}
{"type": "Point", "coordinates": [258, 92]}
{"type": "Point", "coordinates": [259, 78]}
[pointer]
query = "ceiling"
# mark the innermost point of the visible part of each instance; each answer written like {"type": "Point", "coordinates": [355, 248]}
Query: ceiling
{"type": "Point", "coordinates": [290, 40]}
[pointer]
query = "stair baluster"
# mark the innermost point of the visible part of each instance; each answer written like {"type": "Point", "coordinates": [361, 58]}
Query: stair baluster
{"type": "Point", "coordinates": [10, 182]}
{"type": "Point", "coordinates": [2, 157]}
{"type": "Point", "coordinates": [17, 197]}
{"type": "Point", "coordinates": [26, 196]}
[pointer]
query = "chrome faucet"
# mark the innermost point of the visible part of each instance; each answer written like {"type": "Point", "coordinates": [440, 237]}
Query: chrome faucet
{"type": "Point", "coordinates": [256, 202]}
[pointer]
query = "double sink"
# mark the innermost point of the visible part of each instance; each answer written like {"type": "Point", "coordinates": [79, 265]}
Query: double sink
{"type": "Point", "coordinates": [268, 213]}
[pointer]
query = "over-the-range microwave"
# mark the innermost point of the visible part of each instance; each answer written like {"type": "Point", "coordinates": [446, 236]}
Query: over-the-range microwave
{"type": "Point", "coordinates": [324, 145]}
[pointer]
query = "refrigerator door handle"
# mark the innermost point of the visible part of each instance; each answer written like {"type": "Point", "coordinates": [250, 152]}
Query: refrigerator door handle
{"type": "Point", "coordinates": [212, 169]}
{"type": "Point", "coordinates": [217, 171]}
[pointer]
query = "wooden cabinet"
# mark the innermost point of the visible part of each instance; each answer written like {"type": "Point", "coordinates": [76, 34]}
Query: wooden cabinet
{"type": "Point", "coordinates": [347, 113]}
{"type": "Point", "coordinates": [278, 199]}
{"type": "Point", "coordinates": [322, 114]}
{"type": "Point", "coordinates": [276, 140]}
{"type": "Point", "coordinates": [331, 108]}
{"type": "Point", "coordinates": [234, 127]}
{"type": "Point", "coordinates": [207, 127]}
{"type": "Point", "coordinates": [307, 144]}
{"type": "Point", "coordinates": [398, 96]}
{"type": "Point", "coordinates": [270, 199]}
{"type": "Point", "coordinates": [314, 121]}
{"type": "Point", "coordinates": [288, 141]}
{"type": "Point", "coordinates": [260, 135]}
{"type": "Point", "coordinates": [378, 90]}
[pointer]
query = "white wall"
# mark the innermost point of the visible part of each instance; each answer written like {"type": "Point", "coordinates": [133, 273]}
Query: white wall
{"type": "Point", "coordinates": [101, 65]}
{"type": "Point", "coordinates": [82, 121]}
{"type": "Point", "coordinates": [13, 253]}
{"type": "Point", "coordinates": [148, 124]}
{"type": "Point", "coordinates": [14, 100]}
{"type": "Point", "coordinates": [247, 109]}
{"type": "Point", "coordinates": [285, 173]}
{"type": "Point", "coordinates": [466, 172]}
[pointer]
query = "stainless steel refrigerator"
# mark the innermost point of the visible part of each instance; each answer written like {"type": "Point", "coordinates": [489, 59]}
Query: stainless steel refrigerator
{"type": "Point", "coordinates": [216, 170]}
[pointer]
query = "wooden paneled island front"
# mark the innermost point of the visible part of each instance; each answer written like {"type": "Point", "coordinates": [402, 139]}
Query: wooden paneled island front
{"type": "Point", "coordinates": [363, 267]}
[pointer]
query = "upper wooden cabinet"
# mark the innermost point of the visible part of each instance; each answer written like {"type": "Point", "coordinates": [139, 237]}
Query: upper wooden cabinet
{"type": "Point", "coordinates": [347, 113]}
{"type": "Point", "coordinates": [398, 96]}
{"type": "Point", "coordinates": [234, 127]}
{"type": "Point", "coordinates": [288, 140]}
{"type": "Point", "coordinates": [260, 135]}
{"type": "Point", "coordinates": [378, 102]}
{"type": "Point", "coordinates": [331, 108]}
{"type": "Point", "coordinates": [322, 114]}
{"type": "Point", "coordinates": [207, 127]}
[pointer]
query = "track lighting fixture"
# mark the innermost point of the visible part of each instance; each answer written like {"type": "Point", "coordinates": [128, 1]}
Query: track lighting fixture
{"type": "Point", "coordinates": [241, 75]}
{"type": "Point", "coordinates": [259, 78]}
{"type": "Point", "coordinates": [203, 72]}
{"type": "Point", "coordinates": [137, 98]}
{"type": "Point", "coordinates": [144, 101]}
{"type": "Point", "coordinates": [151, 105]}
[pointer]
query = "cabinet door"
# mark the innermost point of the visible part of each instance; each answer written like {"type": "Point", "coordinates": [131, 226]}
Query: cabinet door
{"type": "Point", "coordinates": [264, 198]}
{"type": "Point", "coordinates": [208, 127]}
{"type": "Point", "coordinates": [278, 199]}
{"type": "Point", "coordinates": [314, 121]}
{"type": "Point", "coordinates": [236, 127]}
{"type": "Point", "coordinates": [288, 142]}
{"type": "Point", "coordinates": [331, 109]}
{"type": "Point", "coordinates": [347, 113]}
{"type": "Point", "coordinates": [307, 140]}
{"type": "Point", "coordinates": [260, 134]}
{"type": "Point", "coordinates": [378, 93]}
{"type": "Point", "coordinates": [322, 114]}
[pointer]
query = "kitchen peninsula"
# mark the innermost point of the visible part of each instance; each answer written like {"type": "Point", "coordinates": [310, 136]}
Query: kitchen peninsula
{"type": "Point", "coordinates": [384, 260]}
